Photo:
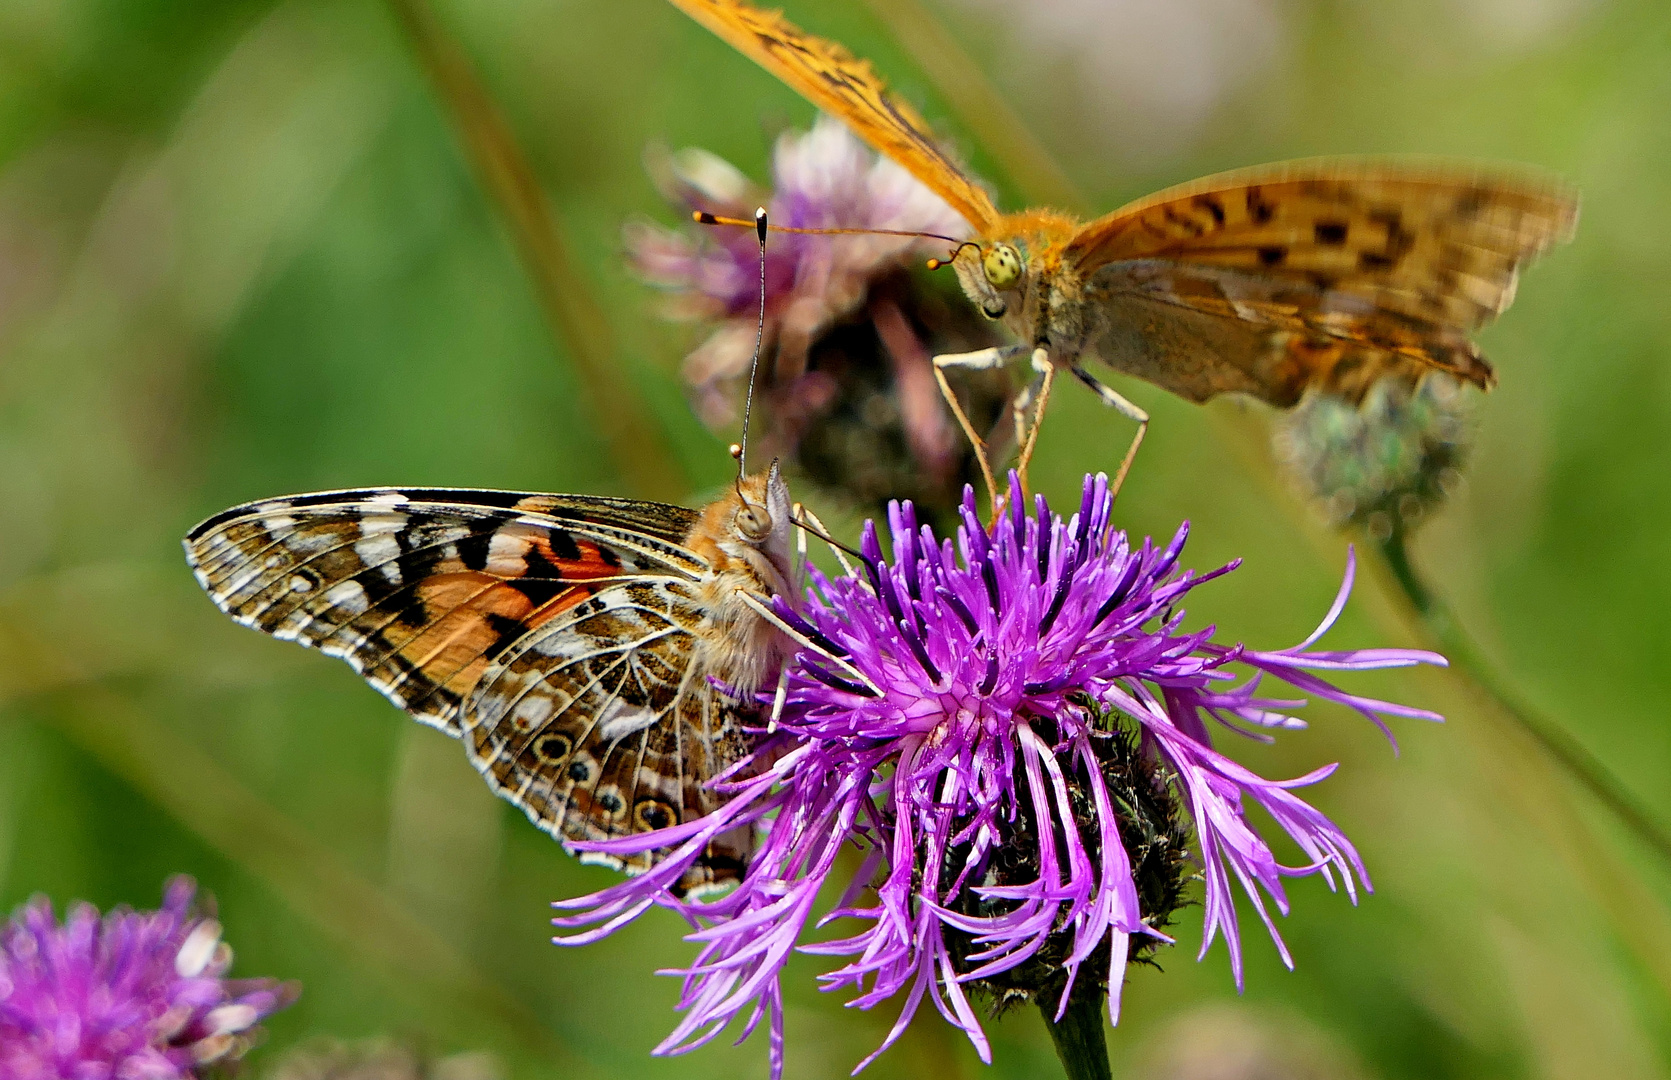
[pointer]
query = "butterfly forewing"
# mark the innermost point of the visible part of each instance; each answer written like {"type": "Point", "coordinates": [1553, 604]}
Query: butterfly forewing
{"type": "Point", "coordinates": [555, 634]}
{"type": "Point", "coordinates": [834, 80]}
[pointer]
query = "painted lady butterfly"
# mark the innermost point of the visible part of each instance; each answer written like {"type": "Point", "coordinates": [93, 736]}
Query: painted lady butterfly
{"type": "Point", "coordinates": [598, 656]}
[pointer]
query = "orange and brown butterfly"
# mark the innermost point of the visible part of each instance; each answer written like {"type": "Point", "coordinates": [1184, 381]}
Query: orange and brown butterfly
{"type": "Point", "coordinates": [599, 657]}
{"type": "Point", "coordinates": [1270, 281]}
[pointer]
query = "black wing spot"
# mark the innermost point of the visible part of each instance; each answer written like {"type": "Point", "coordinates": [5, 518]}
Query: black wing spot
{"type": "Point", "coordinates": [1375, 260]}
{"type": "Point", "coordinates": [1188, 224]}
{"type": "Point", "coordinates": [611, 802]}
{"type": "Point", "coordinates": [1211, 204]}
{"type": "Point", "coordinates": [651, 814]}
{"type": "Point", "coordinates": [1399, 239]}
{"type": "Point", "coordinates": [472, 550]}
{"type": "Point", "coordinates": [1332, 233]}
{"type": "Point", "coordinates": [1258, 209]}
{"type": "Point", "coordinates": [580, 772]}
{"type": "Point", "coordinates": [1272, 256]}
{"type": "Point", "coordinates": [563, 544]}
{"type": "Point", "coordinates": [556, 748]}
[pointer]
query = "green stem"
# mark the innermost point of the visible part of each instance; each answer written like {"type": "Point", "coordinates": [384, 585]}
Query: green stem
{"type": "Point", "coordinates": [1465, 657]}
{"type": "Point", "coordinates": [1078, 1038]}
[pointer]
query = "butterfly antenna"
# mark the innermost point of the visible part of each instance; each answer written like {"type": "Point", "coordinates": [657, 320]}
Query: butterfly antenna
{"type": "Point", "coordinates": [740, 451]}
{"type": "Point", "coordinates": [935, 264]}
{"type": "Point", "coordinates": [702, 217]}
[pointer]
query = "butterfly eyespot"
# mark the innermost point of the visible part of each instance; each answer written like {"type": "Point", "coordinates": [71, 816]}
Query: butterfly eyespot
{"type": "Point", "coordinates": [753, 522]}
{"type": "Point", "coordinates": [554, 748]}
{"type": "Point", "coordinates": [611, 802]}
{"type": "Point", "coordinates": [1002, 264]}
{"type": "Point", "coordinates": [652, 814]}
{"type": "Point", "coordinates": [580, 772]}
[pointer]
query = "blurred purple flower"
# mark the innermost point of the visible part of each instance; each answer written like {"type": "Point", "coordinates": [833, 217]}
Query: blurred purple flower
{"type": "Point", "coordinates": [825, 178]}
{"type": "Point", "coordinates": [134, 996]}
{"type": "Point", "coordinates": [948, 705]}
{"type": "Point", "coordinates": [845, 380]}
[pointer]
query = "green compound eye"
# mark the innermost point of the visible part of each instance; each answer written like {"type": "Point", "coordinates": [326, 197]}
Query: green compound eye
{"type": "Point", "coordinates": [1002, 264]}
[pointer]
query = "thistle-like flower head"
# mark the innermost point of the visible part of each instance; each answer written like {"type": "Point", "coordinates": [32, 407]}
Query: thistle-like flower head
{"type": "Point", "coordinates": [1383, 462]}
{"type": "Point", "coordinates": [131, 996]}
{"type": "Point", "coordinates": [998, 722]}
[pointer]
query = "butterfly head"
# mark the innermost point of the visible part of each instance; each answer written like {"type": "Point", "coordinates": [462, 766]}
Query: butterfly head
{"type": "Point", "coordinates": [1001, 264]}
{"type": "Point", "coordinates": [748, 532]}
{"type": "Point", "coordinates": [760, 519]}
{"type": "Point", "coordinates": [745, 539]}
{"type": "Point", "coordinates": [992, 274]}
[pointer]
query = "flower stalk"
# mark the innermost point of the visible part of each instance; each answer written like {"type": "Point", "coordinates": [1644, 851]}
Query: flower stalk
{"type": "Point", "coordinates": [1079, 1039]}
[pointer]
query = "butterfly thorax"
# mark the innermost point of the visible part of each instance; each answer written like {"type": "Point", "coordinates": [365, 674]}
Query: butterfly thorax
{"type": "Point", "coordinates": [1036, 230]}
{"type": "Point", "coordinates": [735, 643]}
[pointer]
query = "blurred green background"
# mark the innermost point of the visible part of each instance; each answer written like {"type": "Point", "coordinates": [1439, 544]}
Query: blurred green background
{"type": "Point", "coordinates": [242, 253]}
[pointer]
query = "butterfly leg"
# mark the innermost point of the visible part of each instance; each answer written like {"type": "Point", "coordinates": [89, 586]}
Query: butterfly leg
{"type": "Point", "coordinates": [809, 523]}
{"type": "Point", "coordinates": [798, 514]}
{"type": "Point", "coordinates": [1046, 375]}
{"type": "Point", "coordinates": [981, 360]}
{"type": "Point", "coordinates": [1019, 405]}
{"type": "Point", "coordinates": [778, 699]}
{"type": "Point", "coordinates": [1112, 398]}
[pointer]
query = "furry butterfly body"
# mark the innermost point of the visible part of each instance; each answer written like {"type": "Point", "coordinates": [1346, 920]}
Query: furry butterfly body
{"type": "Point", "coordinates": [598, 657]}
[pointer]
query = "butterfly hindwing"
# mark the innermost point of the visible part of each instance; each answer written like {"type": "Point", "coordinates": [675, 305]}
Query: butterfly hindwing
{"type": "Point", "coordinates": [596, 724]}
{"type": "Point", "coordinates": [831, 78]}
{"type": "Point", "coordinates": [554, 634]}
{"type": "Point", "coordinates": [1380, 266]}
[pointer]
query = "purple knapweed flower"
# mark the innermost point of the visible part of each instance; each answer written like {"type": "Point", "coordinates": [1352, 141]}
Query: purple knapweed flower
{"type": "Point", "coordinates": [954, 708]}
{"type": "Point", "coordinates": [132, 996]}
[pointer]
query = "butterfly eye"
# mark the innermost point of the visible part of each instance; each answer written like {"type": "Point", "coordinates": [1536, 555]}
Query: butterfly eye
{"type": "Point", "coordinates": [1002, 264]}
{"type": "Point", "coordinates": [754, 523]}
